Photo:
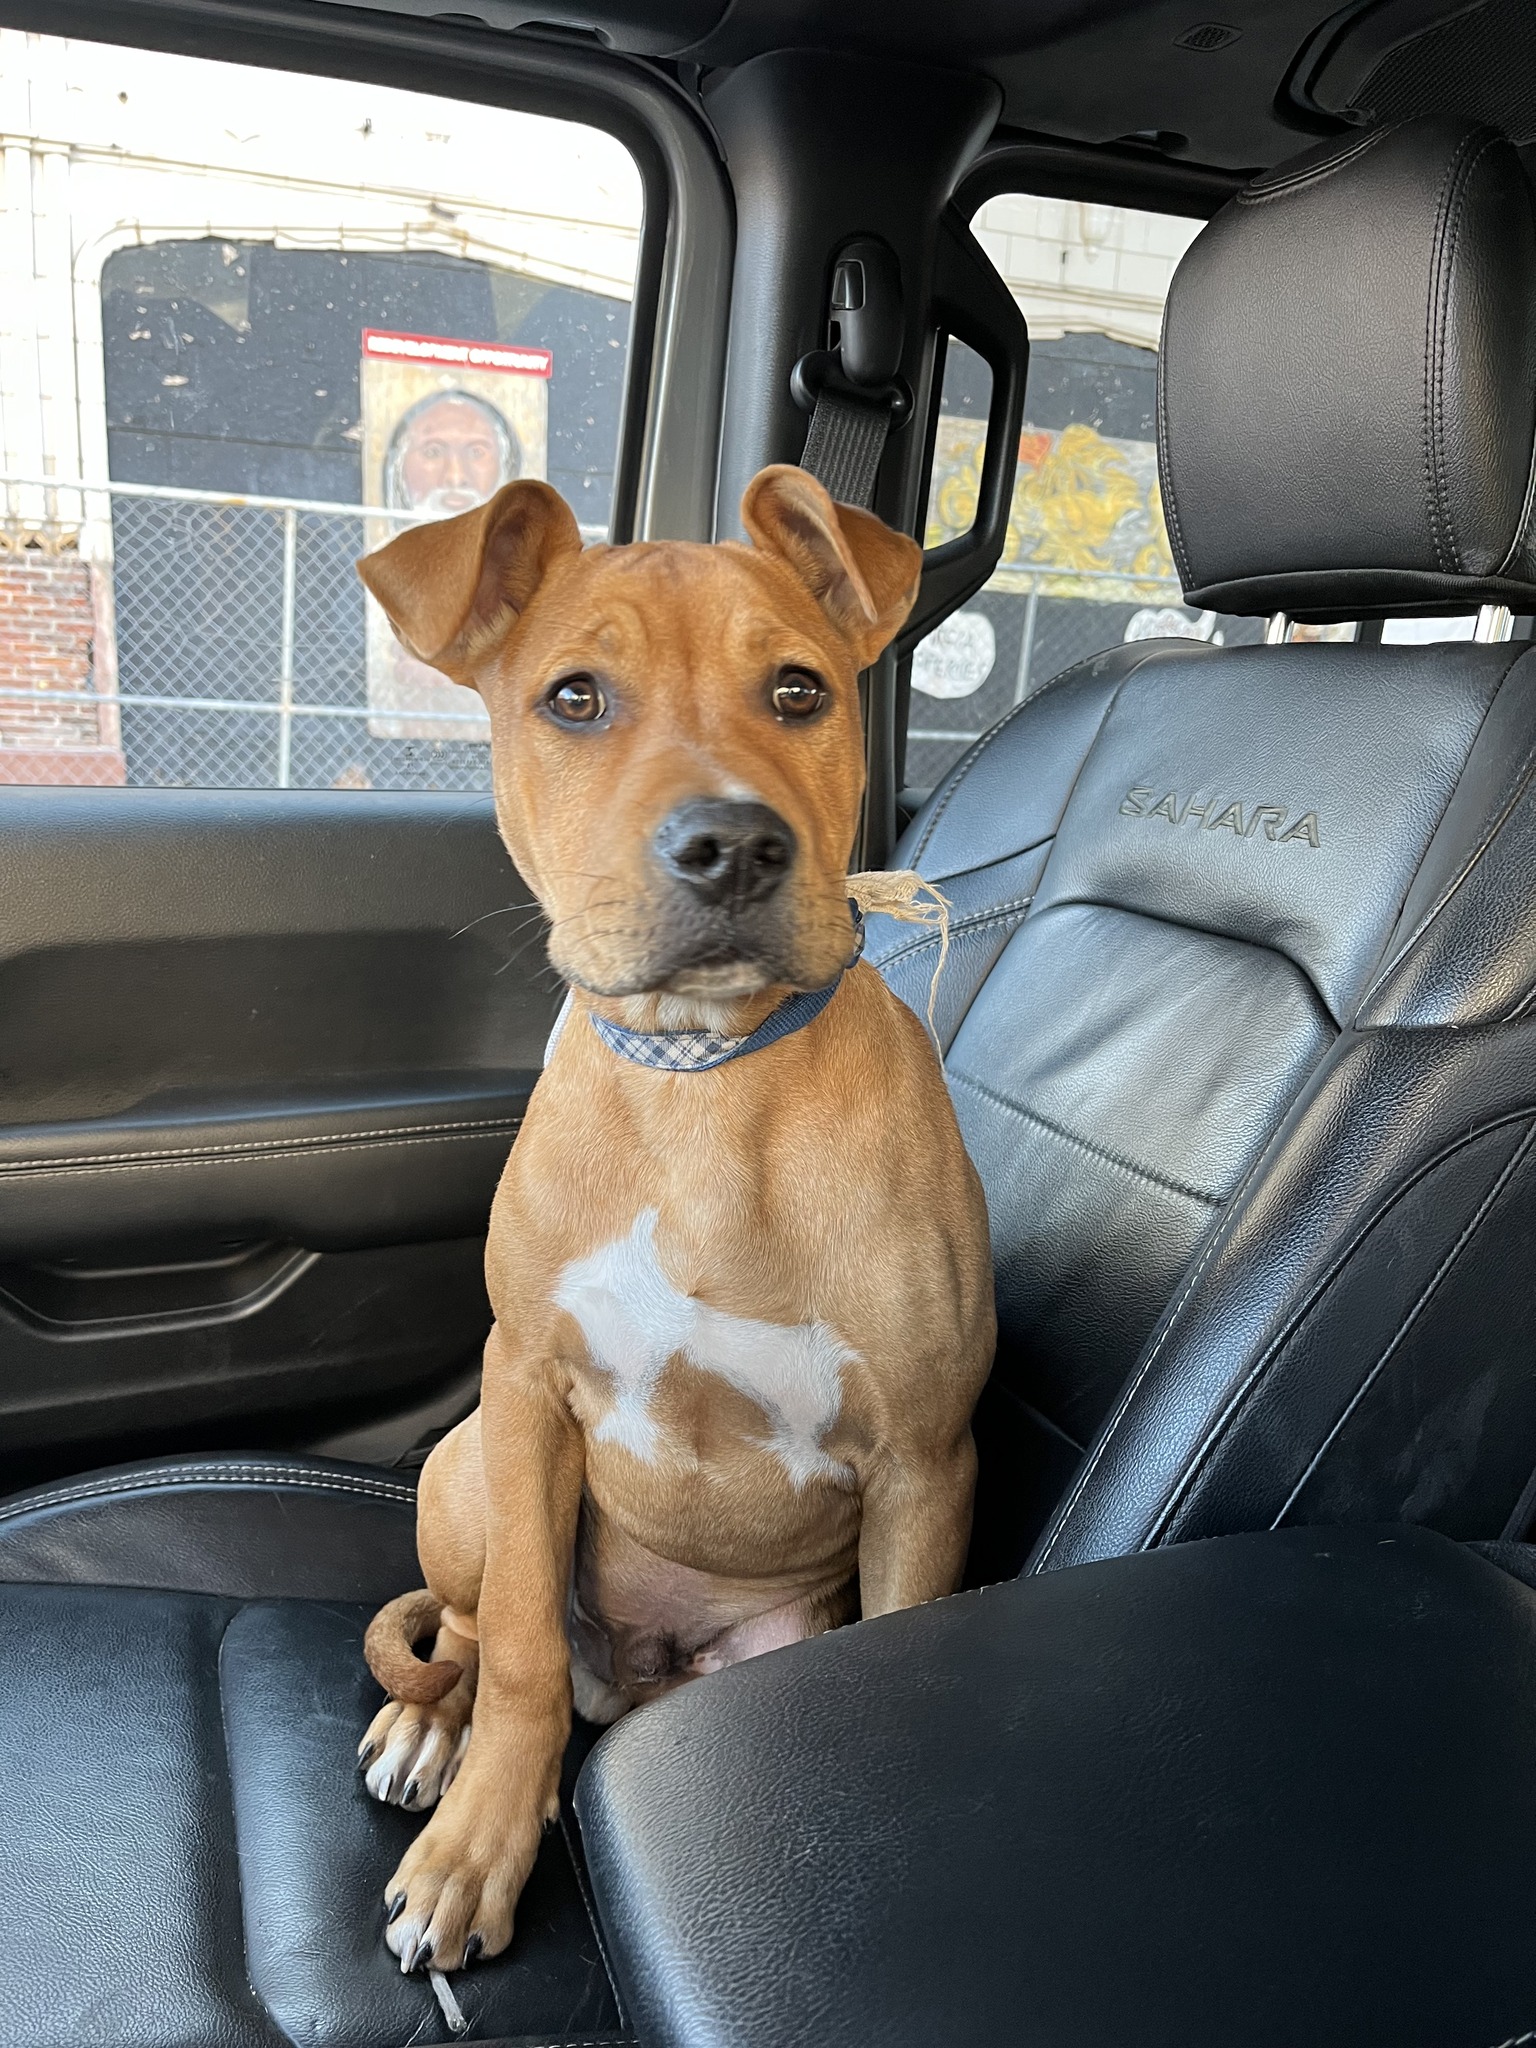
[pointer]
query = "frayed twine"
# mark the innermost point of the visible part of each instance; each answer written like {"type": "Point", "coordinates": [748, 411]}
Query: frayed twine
{"type": "Point", "coordinates": [895, 892]}
{"type": "Point", "coordinates": [454, 2013]}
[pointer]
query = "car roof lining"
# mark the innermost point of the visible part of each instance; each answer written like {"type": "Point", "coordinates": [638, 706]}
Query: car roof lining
{"type": "Point", "coordinates": [1229, 87]}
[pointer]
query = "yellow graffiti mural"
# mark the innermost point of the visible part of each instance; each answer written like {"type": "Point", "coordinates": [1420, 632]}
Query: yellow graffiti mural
{"type": "Point", "coordinates": [1086, 510]}
{"type": "Point", "coordinates": [1067, 510]}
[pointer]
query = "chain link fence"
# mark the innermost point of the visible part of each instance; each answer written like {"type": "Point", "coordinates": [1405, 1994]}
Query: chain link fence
{"type": "Point", "coordinates": [1041, 624]}
{"type": "Point", "coordinates": [228, 647]}
{"type": "Point", "coordinates": [173, 637]}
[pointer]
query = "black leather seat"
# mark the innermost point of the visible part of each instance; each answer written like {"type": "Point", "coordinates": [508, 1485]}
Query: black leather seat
{"type": "Point", "coordinates": [190, 1856]}
{"type": "Point", "coordinates": [1241, 1009]}
{"type": "Point", "coordinates": [1273, 1790]}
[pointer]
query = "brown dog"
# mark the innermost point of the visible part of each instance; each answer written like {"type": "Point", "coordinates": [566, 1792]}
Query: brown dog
{"type": "Point", "coordinates": [743, 1313]}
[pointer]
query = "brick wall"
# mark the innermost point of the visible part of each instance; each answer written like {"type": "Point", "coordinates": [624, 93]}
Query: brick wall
{"type": "Point", "coordinates": [50, 626]}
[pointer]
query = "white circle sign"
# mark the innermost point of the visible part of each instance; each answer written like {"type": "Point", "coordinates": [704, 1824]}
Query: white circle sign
{"type": "Point", "coordinates": [956, 658]}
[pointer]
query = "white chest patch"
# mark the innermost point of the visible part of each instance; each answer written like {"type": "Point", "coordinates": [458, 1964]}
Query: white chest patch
{"type": "Point", "coordinates": [635, 1320]}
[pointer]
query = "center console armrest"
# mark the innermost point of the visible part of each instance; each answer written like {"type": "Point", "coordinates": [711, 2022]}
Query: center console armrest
{"type": "Point", "coordinates": [1274, 1790]}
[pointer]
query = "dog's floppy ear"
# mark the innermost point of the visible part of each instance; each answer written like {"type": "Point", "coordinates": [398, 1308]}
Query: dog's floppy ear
{"type": "Point", "coordinates": [862, 573]}
{"type": "Point", "coordinates": [450, 586]}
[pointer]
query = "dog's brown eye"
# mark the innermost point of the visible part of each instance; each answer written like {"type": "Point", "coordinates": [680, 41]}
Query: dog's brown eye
{"type": "Point", "coordinates": [798, 694]}
{"type": "Point", "coordinates": [577, 701]}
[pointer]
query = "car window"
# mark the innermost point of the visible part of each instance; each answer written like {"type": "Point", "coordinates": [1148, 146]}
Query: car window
{"type": "Point", "coordinates": [268, 321]}
{"type": "Point", "coordinates": [1086, 564]}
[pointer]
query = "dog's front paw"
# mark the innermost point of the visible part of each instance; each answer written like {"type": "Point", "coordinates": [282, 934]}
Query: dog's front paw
{"type": "Point", "coordinates": [452, 1899]}
{"type": "Point", "coordinates": [411, 1755]}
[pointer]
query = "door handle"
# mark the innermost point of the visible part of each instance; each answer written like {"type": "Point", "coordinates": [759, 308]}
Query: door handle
{"type": "Point", "coordinates": [971, 302]}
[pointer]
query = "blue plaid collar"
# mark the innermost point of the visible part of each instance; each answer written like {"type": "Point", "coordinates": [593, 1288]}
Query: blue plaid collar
{"type": "Point", "coordinates": [695, 1052]}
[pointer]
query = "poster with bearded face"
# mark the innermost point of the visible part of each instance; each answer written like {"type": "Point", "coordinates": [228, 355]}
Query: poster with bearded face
{"type": "Point", "coordinates": [445, 423]}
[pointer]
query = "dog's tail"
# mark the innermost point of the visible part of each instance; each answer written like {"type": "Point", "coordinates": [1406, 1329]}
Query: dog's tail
{"type": "Point", "coordinates": [390, 1648]}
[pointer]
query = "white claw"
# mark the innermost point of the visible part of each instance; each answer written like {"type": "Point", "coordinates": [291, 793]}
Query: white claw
{"type": "Point", "coordinates": [417, 1763]}
{"type": "Point", "coordinates": [380, 1777]}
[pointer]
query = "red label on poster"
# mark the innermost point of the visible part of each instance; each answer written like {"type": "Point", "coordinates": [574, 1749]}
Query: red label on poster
{"type": "Point", "coordinates": [455, 354]}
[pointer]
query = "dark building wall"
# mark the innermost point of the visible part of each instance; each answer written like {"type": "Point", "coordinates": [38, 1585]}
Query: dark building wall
{"type": "Point", "coordinates": [234, 366]}
{"type": "Point", "coordinates": [1108, 385]}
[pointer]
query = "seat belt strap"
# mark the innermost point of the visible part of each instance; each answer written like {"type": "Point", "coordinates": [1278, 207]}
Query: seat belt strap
{"type": "Point", "coordinates": [853, 392]}
{"type": "Point", "coordinates": [844, 443]}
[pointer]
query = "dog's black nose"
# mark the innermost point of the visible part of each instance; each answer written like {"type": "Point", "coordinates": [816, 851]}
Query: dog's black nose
{"type": "Point", "coordinates": [726, 852]}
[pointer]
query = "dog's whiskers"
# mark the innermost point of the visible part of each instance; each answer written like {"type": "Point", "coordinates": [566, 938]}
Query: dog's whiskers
{"type": "Point", "coordinates": [503, 910]}
{"type": "Point", "coordinates": [516, 954]}
{"type": "Point", "coordinates": [588, 910]}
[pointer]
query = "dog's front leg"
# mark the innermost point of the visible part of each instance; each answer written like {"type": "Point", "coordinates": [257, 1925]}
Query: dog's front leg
{"type": "Point", "coordinates": [914, 1527]}
{"type": "Point", "coordinates": [454, 1894]}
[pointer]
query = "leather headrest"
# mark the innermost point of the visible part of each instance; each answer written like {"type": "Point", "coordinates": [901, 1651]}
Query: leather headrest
{"type": "Point", "coordinates": [1347, 397]}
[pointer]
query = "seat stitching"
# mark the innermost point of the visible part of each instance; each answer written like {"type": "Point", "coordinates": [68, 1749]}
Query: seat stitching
{"type": "Point", "coordinates": [1320, 1288]}
{"type": "Point", "coordinates": [1429, 429]}
{"type": "Point", "coordinates": [1448, 220]}
{"type": "Point", "coordinates": [239, 1475]}
{"type": "Point", "coordinates": [1517, 1010]}
{"type": "Point", "coordinates": [1515, 787]}
{"type": "Point", "coordinates": [1262, 194]}
{"type": "Point", "coordinates": [248, 1145]}
{"type": "Point", "coordinates": [1219, 1236]}
{"type": "Point", "coordinates": [1523, 522]}
{"type": "Point", "coordinates": [1103, 1152]}
{"type": "Point", "coordinates": [1428, 424]}
{"type": "Point", "coordinates": [1427, 1294]}
{"type": "Point", "coordinates": [156, 1162]}
{"type": "Point", "coordinates": [590, 1909]}
{"type": "Point", "coordinates": [257, 2000]}
{"type": "Point", "coordinates": [977, 921]}
{"type": "Point", "coordinates": [1077, 773]}
{"type": "Point", "coordinates": [344, 1484]}
{"type": "Point", "coordinates": [968, 760]}
{"type": "Point", "coordinates": [235, 1474]}
{"type": "Point", "coordinates": [962, 770]}
{"type": "Point", "coordinates": [1170, 502]}
{"type": "Point", "coordinates": [1168, 922]}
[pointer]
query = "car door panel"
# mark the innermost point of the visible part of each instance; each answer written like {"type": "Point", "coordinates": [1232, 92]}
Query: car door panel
{"type": "Point", "coordinates": [265, 1055]}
